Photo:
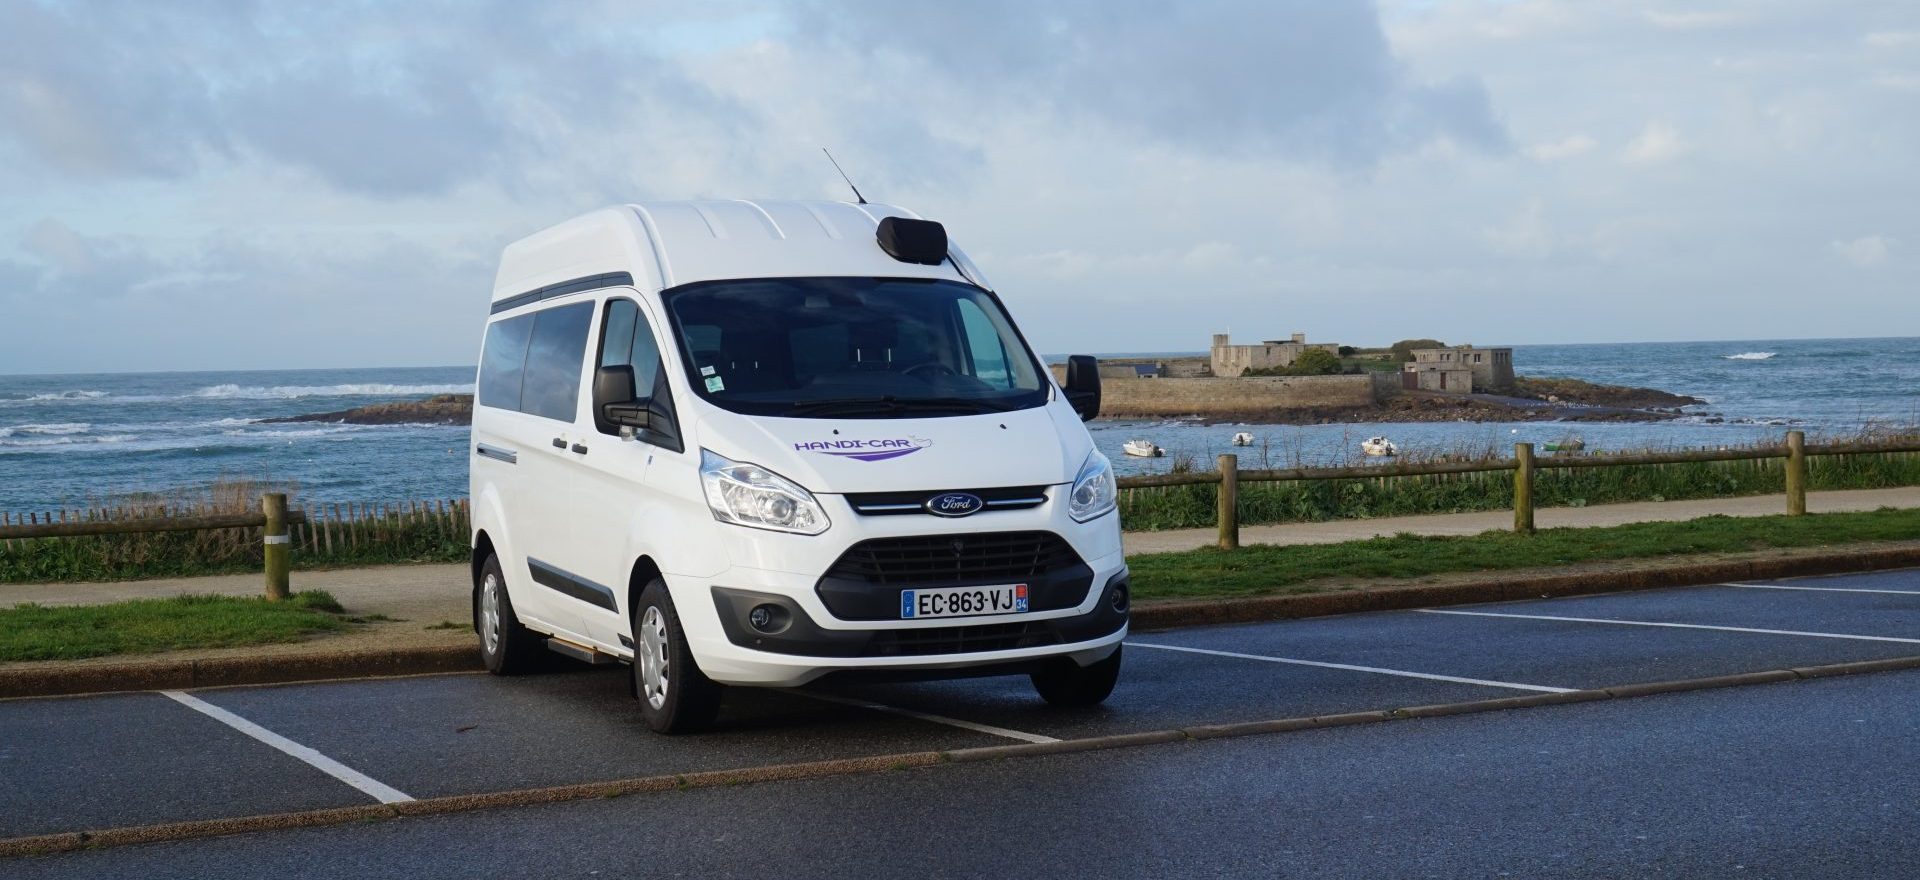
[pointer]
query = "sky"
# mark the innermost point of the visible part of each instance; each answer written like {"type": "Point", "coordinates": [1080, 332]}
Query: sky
{"type": "Point", "coordinates": [248, 185]}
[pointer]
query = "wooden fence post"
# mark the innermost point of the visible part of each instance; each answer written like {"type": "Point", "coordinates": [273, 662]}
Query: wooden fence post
{"type": "Point", "coordinates": [1796, 473]}
{"type": "Point", "coordinates": [1523, 488]}
{"type": "Point", "coordinates": [278, 554]}
{"type": "Point", "coordinates": [1229, 500]}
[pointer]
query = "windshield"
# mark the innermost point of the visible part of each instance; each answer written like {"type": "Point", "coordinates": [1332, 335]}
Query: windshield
{"type": "Point", "coordinates": [868, 347]}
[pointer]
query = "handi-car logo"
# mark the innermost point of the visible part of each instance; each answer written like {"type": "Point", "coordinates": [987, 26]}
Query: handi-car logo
{"type": "Point", "coordinates": [866, 450]}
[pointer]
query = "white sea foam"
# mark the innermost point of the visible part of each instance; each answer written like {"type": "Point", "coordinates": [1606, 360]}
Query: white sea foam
{"type": "Point", "coordinates": [56, 429]}
{"type": "Point", "coordinates": [284, 392]}
{"type": "Point", "coordinates": [68, 395]}
{"type": "Point", "coordinates": [1749, 356]}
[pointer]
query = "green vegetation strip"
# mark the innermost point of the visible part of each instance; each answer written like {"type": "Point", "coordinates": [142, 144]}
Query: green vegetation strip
{"type": "Point", "coordinates": [1258, 569]}
{"type": "Point", "coordinates": [37, 632]}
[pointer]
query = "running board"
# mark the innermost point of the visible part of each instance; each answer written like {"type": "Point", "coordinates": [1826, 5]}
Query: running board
{"type": "Point", "coordinates": [581, 653]}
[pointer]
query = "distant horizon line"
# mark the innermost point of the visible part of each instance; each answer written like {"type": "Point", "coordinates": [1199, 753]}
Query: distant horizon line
{"type": "Point", "coordinates": [1048, 357]}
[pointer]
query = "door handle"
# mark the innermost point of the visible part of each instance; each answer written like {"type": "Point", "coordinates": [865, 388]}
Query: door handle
{"type": "Point", "coordinates": [497, 453]}
{"type": "Point", "coordinates": [580, 448]}
{"type": "Point", "coordinates": [559, 443]}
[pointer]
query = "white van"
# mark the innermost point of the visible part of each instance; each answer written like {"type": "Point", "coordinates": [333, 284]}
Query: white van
{"type": "Point", "coordinates": [758, 443]}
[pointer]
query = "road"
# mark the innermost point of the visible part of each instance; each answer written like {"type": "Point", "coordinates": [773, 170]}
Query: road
{"type": "Point", "coordinates": [1807, 778]}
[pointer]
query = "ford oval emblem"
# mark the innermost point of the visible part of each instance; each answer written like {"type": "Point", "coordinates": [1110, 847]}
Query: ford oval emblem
{"type": "Point", "coordinates": [955, 504]}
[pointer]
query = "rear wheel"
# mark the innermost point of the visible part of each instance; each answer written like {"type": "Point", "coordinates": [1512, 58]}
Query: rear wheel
{"type": "Point", "coordinates": [675, 696]}
{"type": "Point", "coordinates": [507, 647]}
{"type": "Point", "coordinates": [1062, 682]}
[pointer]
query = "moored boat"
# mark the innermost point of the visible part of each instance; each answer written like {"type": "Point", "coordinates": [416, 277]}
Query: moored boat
{"type": "Point", "coordinates": [1379, 447]}
{"type": "Point", "coordinates": [1142, 448]}
{"type": "Point", "coordinates": [1244, 438]}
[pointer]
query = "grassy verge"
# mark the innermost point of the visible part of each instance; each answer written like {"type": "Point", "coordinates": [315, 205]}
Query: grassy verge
{"type": "Point", "coordinates": [1179, 507]}
{"type": "Point", "coordinates": [1251, 570]}
{"type": "Point", "coordinates": [189, 554]}
{"type": "Point", "coordinates": [35, 632]}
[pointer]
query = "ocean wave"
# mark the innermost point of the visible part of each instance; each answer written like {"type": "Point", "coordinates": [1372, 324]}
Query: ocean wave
{"type": "Point", "coordinates": [1749, 356]}
{"type": "Point", "coordinates": [67, 395]}
{"type": "Point", "coordinates": [285, 392]}
{"type": "Point", "coordinates": [54, 429]}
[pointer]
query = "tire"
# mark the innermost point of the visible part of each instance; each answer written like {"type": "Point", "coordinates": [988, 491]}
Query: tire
{"type": "Point", "coordinates": [507, 647]}
{"type": "Point", "coordinates": [1066, 684]}
{"type": "Point", "coordinates": [675, 696]}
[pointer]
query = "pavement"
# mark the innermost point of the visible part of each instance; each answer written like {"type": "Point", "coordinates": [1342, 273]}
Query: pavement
{"type": "Point", "coordinates": [422, 595]}
{"type": "Point", "coordinates": [1806, 778]}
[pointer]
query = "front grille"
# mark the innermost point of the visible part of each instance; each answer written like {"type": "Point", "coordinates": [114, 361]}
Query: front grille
{"type": "Point", "coordinates": [959, 639]}
{"type": "Point", "coordinates": [935, 560]}
{"type": "Point", "coordinates": [897, 503]}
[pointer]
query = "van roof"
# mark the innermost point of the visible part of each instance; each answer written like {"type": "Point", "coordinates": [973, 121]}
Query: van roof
{"type": "Point", "coordinates": [665, 244]}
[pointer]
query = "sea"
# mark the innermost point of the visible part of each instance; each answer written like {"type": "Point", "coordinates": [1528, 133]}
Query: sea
{"type": "Point", "coordinates": [92, 440]}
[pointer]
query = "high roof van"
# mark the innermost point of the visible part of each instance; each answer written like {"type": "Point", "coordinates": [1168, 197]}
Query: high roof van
{"type": "Point", "coordinates": [760, 443]}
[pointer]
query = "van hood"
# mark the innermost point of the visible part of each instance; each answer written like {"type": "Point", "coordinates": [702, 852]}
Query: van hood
{"type": "Point", "coordinates": [1030, 447]}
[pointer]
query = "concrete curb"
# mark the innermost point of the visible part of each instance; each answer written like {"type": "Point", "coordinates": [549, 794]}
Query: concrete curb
{"type": "Point", "coordinates": [281, 669]}
{"type": "Point", "coordinates": [228, 671]}
{"type": "Point", "coordinates": [49, 844]}
{"type": "Point", "coordinates": [1495, 588]}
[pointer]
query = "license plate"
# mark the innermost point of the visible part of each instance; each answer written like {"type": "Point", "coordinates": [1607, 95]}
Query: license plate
{"type": "Point", "coordinates": [963, 601]}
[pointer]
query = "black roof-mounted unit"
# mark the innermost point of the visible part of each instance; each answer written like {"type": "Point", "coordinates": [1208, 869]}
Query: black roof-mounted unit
{"type": "Point", "coordinates": [913, 241]}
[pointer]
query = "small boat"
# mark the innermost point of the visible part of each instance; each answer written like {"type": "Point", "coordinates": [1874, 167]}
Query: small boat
{"type": "Point", "coordinates": [1142, 449]}
{"type": "Point", "coordinates": [1379, 446]}
{"type": "Point", "coordinates": [1566, 444]}
{"type": "Point", "coordinates": [1244, 438]}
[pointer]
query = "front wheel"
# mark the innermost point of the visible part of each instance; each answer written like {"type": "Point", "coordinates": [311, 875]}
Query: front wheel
{"type": "Point", "coordinates": [1064, 683]}
{"type": "Point", "coordinates": [675, 696]}
{"type": "Point", "coordinates": [506, 647]}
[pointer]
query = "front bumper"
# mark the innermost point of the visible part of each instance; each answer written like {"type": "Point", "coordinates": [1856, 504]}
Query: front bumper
{"type": "Point", "coordinates": [809, 642]}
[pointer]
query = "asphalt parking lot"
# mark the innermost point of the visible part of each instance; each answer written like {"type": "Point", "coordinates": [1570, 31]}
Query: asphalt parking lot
{"type": "Point", "coordinates": [117, 760]}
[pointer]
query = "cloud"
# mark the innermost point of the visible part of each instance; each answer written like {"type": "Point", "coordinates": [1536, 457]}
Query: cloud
{"type": "Point", "coordinates": [1306, 79]}
{"type": "Point", "coordinates": [1694, 20]}
{"type": "Point", "coordinates": [1892, 39]}
{"type": "Point", "coordinates": [1658, 142]}
{"type": "Point", "coordinates": [1864, 252]}
{"type": "Point", "coordinates": [1526, 234]}
{"type": "Point", "coordinates": [1565, 148]}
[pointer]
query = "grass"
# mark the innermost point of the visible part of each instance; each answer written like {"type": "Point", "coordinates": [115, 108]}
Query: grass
{"type": "Point", "coordinates": [37, 632]}
{"type": "Point", "coordinates": [1178, 507]}
{"type": "Point", "coordinates": [1252, 570]}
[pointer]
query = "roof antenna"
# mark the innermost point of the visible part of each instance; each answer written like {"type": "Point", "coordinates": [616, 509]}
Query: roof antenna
{"type": "Point", "coordinates": [843, 176]}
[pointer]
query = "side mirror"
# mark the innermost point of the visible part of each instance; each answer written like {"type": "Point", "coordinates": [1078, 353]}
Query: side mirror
{"type": "Point", "coordinates": [617, 405]}
{"type": "Point", "coordinates": [1083, 386]}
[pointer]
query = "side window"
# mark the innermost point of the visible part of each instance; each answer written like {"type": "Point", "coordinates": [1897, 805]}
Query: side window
{"type": "Point", "coordinates": [555, 355]}
{"type": "Point", "coordinates": [983, 346]}
{"type": "Point", "coordinates": [626, 339]}
{"type": "Point", "coordinates": [503, 358]}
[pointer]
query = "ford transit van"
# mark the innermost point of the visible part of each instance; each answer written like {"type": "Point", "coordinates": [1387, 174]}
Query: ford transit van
{"type": "Point", "coordinates": [759, 443]}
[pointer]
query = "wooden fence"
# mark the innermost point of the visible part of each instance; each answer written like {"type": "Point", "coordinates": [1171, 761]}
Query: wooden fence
{"type": "Point", "coordinates": [1229, 477]}
{"type": "Point", "coordinates": [338, 532]}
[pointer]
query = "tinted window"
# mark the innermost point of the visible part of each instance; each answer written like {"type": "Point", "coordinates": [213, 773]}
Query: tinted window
{"type": "Point", "coordinates": [555, 355]}
{"type": "Point", "coordinates": [627, 340]}
{"type": "Point", "coordinates": [827, 347]}
{"type": "Point", "coordinates": [502, 358]}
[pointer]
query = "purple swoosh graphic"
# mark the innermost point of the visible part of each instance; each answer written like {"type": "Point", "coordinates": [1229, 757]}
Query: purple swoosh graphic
{"type": "Point", "coordinates": [877, 456]}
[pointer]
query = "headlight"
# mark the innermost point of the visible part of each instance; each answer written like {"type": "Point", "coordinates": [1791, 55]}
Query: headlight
{"type": "Point", "coordinates": [750, 495]}
{"type": "Point", "coordinates": [1094, 490]}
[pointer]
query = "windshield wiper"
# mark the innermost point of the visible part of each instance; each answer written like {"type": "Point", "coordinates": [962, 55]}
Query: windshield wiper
{"type": "Point", "coordinates": [888, 403]}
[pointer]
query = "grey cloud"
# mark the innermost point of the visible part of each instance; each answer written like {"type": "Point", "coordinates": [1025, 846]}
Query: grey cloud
{"type": "Point", "coordinates": [1306, 78]}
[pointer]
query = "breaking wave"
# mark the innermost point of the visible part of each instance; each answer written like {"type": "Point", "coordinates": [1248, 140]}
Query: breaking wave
{"type": "Point", "coordinates": [287, 392]}
{"type": "Point", "coordinates": [1749, 356]}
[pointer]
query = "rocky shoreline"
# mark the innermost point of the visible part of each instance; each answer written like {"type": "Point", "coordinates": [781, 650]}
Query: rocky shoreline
{"type": "Point", "coordinates": [1534, 400]}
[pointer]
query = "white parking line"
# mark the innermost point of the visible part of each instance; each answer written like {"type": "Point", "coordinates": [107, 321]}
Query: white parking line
{"type": "Point", "coordinates": [1823, 589]}
{"type": "Point", "coordinates": [1737, 629]}
{"type": "Point", "coordinates": [1351, 668]}
{"type": "Point", "coordinates": [367, 784]}
{"type": "Point", "coordinates": [925, 716]}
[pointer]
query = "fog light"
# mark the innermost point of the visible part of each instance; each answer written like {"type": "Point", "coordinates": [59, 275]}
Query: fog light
{"type": "Point", "coordinates": [768, 618]}
{"type": "Point", "coordinates": [1119, 597]}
